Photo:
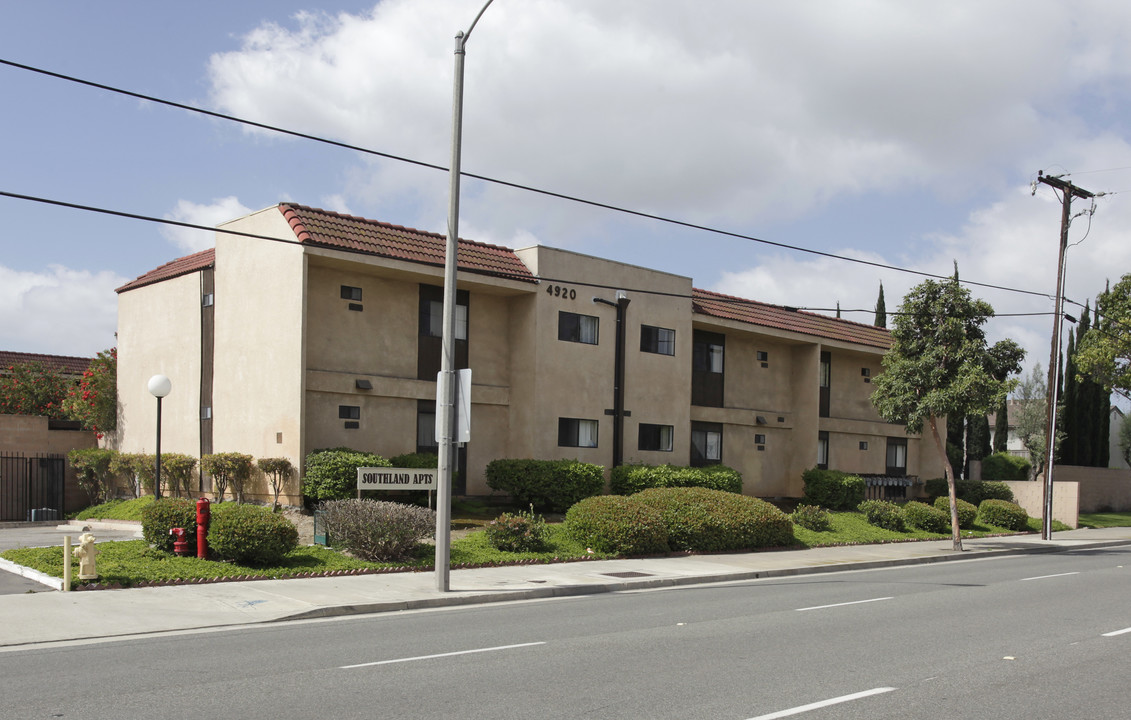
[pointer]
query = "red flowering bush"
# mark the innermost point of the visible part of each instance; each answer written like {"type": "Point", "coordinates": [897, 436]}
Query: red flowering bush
{"type": "Point", "coordinates": [93, 401]}
{"type": "Point", "coordinates": [32, 389]}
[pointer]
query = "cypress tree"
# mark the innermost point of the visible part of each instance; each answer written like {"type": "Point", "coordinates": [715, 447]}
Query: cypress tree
{"type": "Point", "coordinates": [1069, 447]}
{"type": "Point", "coordinates": [838, 309]}
{"type": "Point", "coordinates": [1001, 428]}
{"type": "Point", "coordinates": [956, 442]}
{"type": "Point", "coordinates": [881, 310]}
{"type": "Point", "coordinates": [1087, 400]}
{"type": "Point", "coordinates": [977, 439]}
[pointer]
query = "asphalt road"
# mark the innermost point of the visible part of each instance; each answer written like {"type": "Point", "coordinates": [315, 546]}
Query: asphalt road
{"type": "Point", "coordinates": [1037, 636]}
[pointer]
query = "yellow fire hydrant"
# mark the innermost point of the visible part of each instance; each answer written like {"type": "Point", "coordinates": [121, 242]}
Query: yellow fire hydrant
{"type": "Point", "coordinates": [86, 552]}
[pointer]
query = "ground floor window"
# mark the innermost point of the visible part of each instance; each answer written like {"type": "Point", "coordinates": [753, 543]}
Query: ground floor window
{"type": "Point", "coordinates": [706, 444]}
{"type": "Point", "coordinates": [897, 457]}
{"type": "Point", "coordinates": [823, 450]}
{"type": "Point", "coordinates": [574, 432]}
{"type": "Point", "coordinates": [655, 437]}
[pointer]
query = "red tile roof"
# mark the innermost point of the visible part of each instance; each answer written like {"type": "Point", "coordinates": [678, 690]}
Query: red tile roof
{"type": "Point", "coordinates": [727, 307]}
{"type": "Point", "coordinates": [67, 364]}
{"type": "Point", "coordinates": [322, 228]}
{"type": "Point", "coordinates": [176, 268]}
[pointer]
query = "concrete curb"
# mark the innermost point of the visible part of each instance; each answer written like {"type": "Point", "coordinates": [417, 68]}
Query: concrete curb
{"type": "Point", "coordinates": [52, 582]}
{"type": "Point", "coordinates": [488, 596]}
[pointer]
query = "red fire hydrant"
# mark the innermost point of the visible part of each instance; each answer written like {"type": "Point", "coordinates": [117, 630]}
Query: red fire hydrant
{"type": "Point", "coordinates": [180, 543]}
{"type": "Point", "coordinates": [203, 516]}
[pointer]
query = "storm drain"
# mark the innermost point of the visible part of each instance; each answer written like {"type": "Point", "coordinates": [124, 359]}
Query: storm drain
{"type": "Point", "coordinates": [629, 574]}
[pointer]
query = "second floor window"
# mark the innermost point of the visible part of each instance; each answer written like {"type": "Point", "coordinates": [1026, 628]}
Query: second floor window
{"type": "Point", "coordinates": [573, 327]}
{"type": "Point", "coordinates": [707, 368]}
{"type": "Point", "coordinates": [655, 437]}
{"type": "Point", "coordinates": [657, 340]}
{"type": "Point", "coordinates": [826, 383]}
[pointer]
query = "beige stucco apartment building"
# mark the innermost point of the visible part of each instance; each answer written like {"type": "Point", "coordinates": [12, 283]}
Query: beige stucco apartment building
{"type": "Point", "coordinates": [307, 329]}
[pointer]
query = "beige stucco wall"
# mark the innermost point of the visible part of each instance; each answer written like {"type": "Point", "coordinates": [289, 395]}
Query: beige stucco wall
{"type": "Point", "coordinates": [159, 333]}
{"type": "Point", "coordinates": [30, 435]}
{"type": "Point", "coordinates": [1101, 489]}
{"type": "Point", "coordinates": [1065, 500]}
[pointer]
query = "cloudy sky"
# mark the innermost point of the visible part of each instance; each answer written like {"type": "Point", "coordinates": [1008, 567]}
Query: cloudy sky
{"type": "Point", "coordinates": [907, 134]}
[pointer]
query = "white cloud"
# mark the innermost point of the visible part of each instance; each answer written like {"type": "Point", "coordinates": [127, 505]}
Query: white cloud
{"type": "Point", "coordinates": [75, 311]}
{"type": "Point", "coordinates": [189, 240]}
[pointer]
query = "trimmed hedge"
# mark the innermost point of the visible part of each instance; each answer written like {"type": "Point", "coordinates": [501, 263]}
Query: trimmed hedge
{"type": "Point", "coordinates": [884, 514]}
{"type": "Point", "coordinates": [967, 512]}
{"type": "Point", "coordinates": [972, 491]}
{"type": "Point", "coordinates": [165, 514]}
{"type": "Point", "coordinates": [617, 524]}
{"type": "Point", "coordinates": [1003, 514]}
{"type": "Point", "coordinates": [630, 479]}
{"type": "Point", "coordinates": [377, 531]}
{"type": "Point", "coordinates": [833, 489]}
{"type": "Point", "coordinates": [548, 485]}
{"type": "Point", "coordinates": [927, 517]}
{"type": "Point", "coordinates": [423, 461]}
{"type": "Point", "coordinates": [811, 517]}
{"type": "Point", "coordinates": [1005, 467]}
{"type": "Point", "coordinates": [249, 534]}
{"type": "Point", "coordinates": [708, 520]}
{"type": "Point", "coordinates": [332, 474]}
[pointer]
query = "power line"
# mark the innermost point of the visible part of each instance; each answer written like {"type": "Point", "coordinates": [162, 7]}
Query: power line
{"type": "Point", "coordinates": [506, 183]}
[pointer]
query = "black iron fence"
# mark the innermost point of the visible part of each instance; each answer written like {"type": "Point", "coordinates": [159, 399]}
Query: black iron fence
{"type": "Point", "coordinates": [31, 488]}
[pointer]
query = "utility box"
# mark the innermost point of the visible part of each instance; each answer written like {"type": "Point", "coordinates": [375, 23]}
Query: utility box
{"type": "Point", "coordinates": [44, 514]}
{"type": "Point", "coordinates": [320, 537]}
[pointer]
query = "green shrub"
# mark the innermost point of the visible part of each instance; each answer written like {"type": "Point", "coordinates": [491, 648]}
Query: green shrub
{"type": "Point", "coordinates": [165, 514]}
{"type": "Point", "coordinates": [884, 514]}
{"type": "Point", "coordinates": [332, 474]}
{"type": "Point", "coordinates": [972, 491]}
{"type": "Point", "coordinates": [1005, 467]}
{"type": "Point", "coordinates": [618, 525]}
{"type": "Point", "coordinates": [812, 517]}
{"type": "Point", "coordinates": [137, 470]}
{"type": "Point", "coordinates": [926, 517]}
{"type": "Point", "coordinates": [518, 532]}
{"type": "Point", "coordinates": [548, 485]}
{"type": "Point", "coordinates": [707, 520]}
{"type": "Point", "coordinates": [423, 461]}
{"type": "Point", "coordinates": [967, 512]}
{"type": "Point", "coordinates": [631, 479]}
{"type": "Point", "coordinates": [228, 469]}
{"type": "Point", "coordinates": [250, 534]}
{"type": "Point", "coordinates": [377, 530]}
{"type": "Point", "coordinates": [177, 472]}
{"type": "Point", "coordinates": [92, 469]}
{"type": "Point", "coordinates": [1003, 514]}
{"type": "Point", "coordinates": [833, 489]}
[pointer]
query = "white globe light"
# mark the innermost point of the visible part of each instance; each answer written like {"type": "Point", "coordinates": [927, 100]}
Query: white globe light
{"type": "Point", "coordinates": [160, 386]}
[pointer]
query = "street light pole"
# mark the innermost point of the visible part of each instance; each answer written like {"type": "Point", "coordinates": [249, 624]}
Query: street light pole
{"type": "Point", "coordinates": [446, 384]}
{"type": "Point", "coordinates": [159, 387]}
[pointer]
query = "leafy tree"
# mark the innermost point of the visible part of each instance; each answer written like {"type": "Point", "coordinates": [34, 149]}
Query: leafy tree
{"type": "Point", "coordinates": [178, 471]}
{"type": "Point", "coordinates": [977, 439]}
{"type": "Point", "coordinates": [881, 310]}
{"type": "Point", "coordinates": [1001, 428]}
{"type": "Point", "coordinates": [138, 468]}
{"type": "Point", "coordinates": [1066, 453]}
{"type": "Point", "coordinates": [1032, 418]}
{"type": "Point", "coordinates": [940, 364]}
{"type": "Point", "coordinates": [94, 400]}
{"type": "Point", "coordinates": [1105, 355]}
{"type": "Point", "coordinates": [228, 469]}
{"type": "Point", "coordinates": [32, 388]}
{"type": "Point", "coordinates": [277, 471]}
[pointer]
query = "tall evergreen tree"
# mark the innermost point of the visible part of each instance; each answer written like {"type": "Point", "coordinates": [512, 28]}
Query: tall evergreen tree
{"type": "Point", "coordinates": [881, 310]}
{"type": "Point", "coordinates": [956, 442]}
{"type": "Point", "coordinates": [1103, 436]}
{"type": "Point", "coordinates": [1070, 412]}
{"type": "Point", "coordinates": [1001, 428]}
{"type": "Point", "coordinates": [977, 439]}
{"type": "Point", "coordinates": [1087, 397]}
{"type": "Point", "coordinates": [838, 309]}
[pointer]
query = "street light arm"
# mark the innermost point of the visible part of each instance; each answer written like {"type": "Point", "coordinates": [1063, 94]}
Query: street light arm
{"type": "Point", "coordinates": [467, 35]}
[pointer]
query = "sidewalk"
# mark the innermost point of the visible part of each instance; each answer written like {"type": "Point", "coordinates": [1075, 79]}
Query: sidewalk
{"type": "Point", "coordinates": [56, 616]}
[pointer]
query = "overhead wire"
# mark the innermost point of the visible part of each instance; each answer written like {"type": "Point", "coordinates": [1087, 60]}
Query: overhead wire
{"type": "Point", "coordinates": [507, 183]}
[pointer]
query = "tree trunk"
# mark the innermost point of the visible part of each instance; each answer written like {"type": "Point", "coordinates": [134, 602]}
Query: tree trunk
{"type": "Point", "coordinates": [955, 532]}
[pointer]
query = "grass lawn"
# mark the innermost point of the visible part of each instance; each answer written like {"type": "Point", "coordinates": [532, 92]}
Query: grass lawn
{"type": "Point", "coordinates": [1103, 520]}
{"type": "Point", "coordinates": [133, 562]}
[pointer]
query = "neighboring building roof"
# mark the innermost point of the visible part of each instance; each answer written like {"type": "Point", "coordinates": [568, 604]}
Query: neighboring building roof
{"type": "Point", "coordinates": [322, 228]}
{"type": "Point", "coordinates": [67, 364]}
{"type": "Point", "coordinates": [727, 307]}
{"type": "Point", "coordinates": [175, 268]}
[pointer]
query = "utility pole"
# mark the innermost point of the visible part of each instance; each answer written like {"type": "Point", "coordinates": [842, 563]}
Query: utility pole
{"type": "Point", "coordinates": [1069, 191]}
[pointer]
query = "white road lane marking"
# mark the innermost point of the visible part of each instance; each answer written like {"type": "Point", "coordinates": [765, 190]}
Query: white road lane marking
{"type": "Point", "coordinates": [854, 602]}
{"type": "Point", "coordinates": [1118, 632]}
{"type": "Point", "coordinates": [439, 655]}
{"type": "Point", "coordinates": [824, 703]}
{"type": "Point", "coordinates": [1042, 577]}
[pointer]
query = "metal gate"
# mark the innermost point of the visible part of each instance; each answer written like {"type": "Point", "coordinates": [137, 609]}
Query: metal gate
{"type": "Point", "coordinates": [31, 487]}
